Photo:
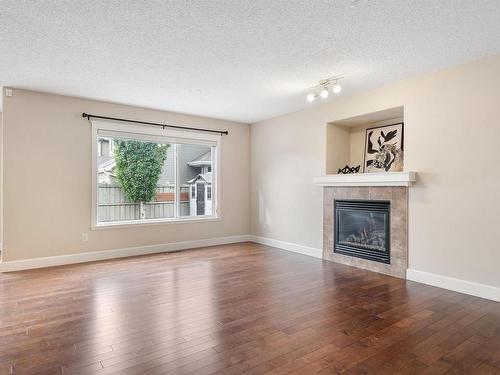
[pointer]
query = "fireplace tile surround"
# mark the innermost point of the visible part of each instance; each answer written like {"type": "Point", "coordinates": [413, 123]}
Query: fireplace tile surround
{"type": "Point", "coordinates": [398, 198]}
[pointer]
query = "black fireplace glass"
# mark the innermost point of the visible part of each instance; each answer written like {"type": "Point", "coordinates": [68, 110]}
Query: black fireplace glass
{"type": "Point", "coordinates": [362, 229]}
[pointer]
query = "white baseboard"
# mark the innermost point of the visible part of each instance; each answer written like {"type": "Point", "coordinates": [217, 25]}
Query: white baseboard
{"type": "Point", "coordinates": [18, 265]}
{"type": "Point", "coordinates": [305, 250]}
{"type": "Point", "coordinates": [457, 285]}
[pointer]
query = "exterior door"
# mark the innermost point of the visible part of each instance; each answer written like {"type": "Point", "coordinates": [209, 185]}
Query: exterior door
{"type": "Point", "coordinates": [200, 199]}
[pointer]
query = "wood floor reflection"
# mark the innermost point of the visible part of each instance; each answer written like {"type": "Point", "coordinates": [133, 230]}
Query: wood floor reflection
{"type": "Point", "coordinates": [234, 309]}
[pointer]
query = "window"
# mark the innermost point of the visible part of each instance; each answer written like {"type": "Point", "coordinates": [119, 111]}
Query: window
{"type": "Point", "coordinates": [145, 175]}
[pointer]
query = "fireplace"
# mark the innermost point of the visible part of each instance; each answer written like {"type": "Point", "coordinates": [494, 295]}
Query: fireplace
{"type": "Point", "coordinates": [362, 229]}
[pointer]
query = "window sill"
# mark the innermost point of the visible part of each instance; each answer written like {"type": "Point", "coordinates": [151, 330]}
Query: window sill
{"type": "Point", "coordinates": [144, 223]}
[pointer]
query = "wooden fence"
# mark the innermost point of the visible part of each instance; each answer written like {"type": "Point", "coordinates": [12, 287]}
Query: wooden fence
{"type": "Point", "coordinates": [113, 205]}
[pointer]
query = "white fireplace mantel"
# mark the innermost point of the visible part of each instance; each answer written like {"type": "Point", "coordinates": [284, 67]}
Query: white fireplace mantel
{"type": "Point", "coordinates": [367, 179]}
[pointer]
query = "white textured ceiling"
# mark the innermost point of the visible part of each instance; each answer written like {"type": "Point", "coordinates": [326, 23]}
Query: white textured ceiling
{"type": "Point", "coordinates": [234, 59]}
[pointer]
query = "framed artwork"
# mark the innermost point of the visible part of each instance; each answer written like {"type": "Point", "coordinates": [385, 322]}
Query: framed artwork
{"type": "Point", "coordinates": [384, 148]}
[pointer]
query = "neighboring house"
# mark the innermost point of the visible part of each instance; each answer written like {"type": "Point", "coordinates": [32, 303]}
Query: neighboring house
{"type": "Point", "coordinates": [106, 169]}
{"type": "Point", "coordinates": [200, 187]}
{"type": "Point", "coordinates": [195, 173]}
{"type": "Point", "coordinates": [105, 162]}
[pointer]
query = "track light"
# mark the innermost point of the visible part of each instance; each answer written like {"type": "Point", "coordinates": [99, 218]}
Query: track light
{"type": "Point", "coordinates": [324, 87]}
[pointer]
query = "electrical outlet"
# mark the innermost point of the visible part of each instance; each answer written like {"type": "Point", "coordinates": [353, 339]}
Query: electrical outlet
{"type": "Point", "coordinates": [8, 92]}
{"type": "Point", "coordinates": [85, 237]}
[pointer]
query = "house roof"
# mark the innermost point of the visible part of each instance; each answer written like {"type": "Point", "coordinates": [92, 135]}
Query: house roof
{"type": "Point", "coordinates": [207, 177]}
{"type": "Point", "coordinates": [202, 160]}
{"type": "Point", "coordinates": [106, 163]}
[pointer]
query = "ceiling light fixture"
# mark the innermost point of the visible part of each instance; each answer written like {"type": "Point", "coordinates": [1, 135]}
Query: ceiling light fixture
{"type": "Point", "coordinates": [324, 87]}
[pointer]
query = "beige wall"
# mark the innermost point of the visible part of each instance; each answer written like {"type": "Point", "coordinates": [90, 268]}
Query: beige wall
{"type": "Point", "coordinates": [47, 179]}
{"type": "Point", "coordinates": [452, 138]}
{"type": "Point", "coordinates": [338, 151]}
{"type": "Point", "coordinates": [1, 174]}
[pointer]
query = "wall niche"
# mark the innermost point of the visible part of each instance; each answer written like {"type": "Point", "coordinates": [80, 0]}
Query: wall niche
{"type": "Point", "coordinates": [345, 139]}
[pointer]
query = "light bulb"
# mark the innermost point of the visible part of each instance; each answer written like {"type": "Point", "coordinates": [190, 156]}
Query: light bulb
{"type": "Point", "coordinates": [310, 97]}
{"type": "Point", "coordinates": [336, 88]}
{"type": "Point", "coordinates": [324, 93]}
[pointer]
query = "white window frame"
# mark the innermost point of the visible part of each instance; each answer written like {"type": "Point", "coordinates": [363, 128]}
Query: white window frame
{"type": "Point", "coordinates": [114, 129]}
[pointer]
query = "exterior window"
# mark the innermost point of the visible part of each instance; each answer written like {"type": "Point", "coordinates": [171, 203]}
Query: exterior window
{"type": "Point", "coordinates": [143, 178]}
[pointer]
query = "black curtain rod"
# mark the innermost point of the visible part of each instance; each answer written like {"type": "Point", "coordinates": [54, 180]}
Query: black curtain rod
{"type": "Point", "coordinates": [89, 116]}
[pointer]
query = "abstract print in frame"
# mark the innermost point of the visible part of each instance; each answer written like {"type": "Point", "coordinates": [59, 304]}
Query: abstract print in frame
{"type": "Point", "coordinates": [384, 148]}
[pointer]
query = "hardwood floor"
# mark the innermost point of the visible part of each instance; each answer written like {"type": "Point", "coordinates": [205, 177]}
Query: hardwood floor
{"type": "Point", "coordinates": [234, 309]}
